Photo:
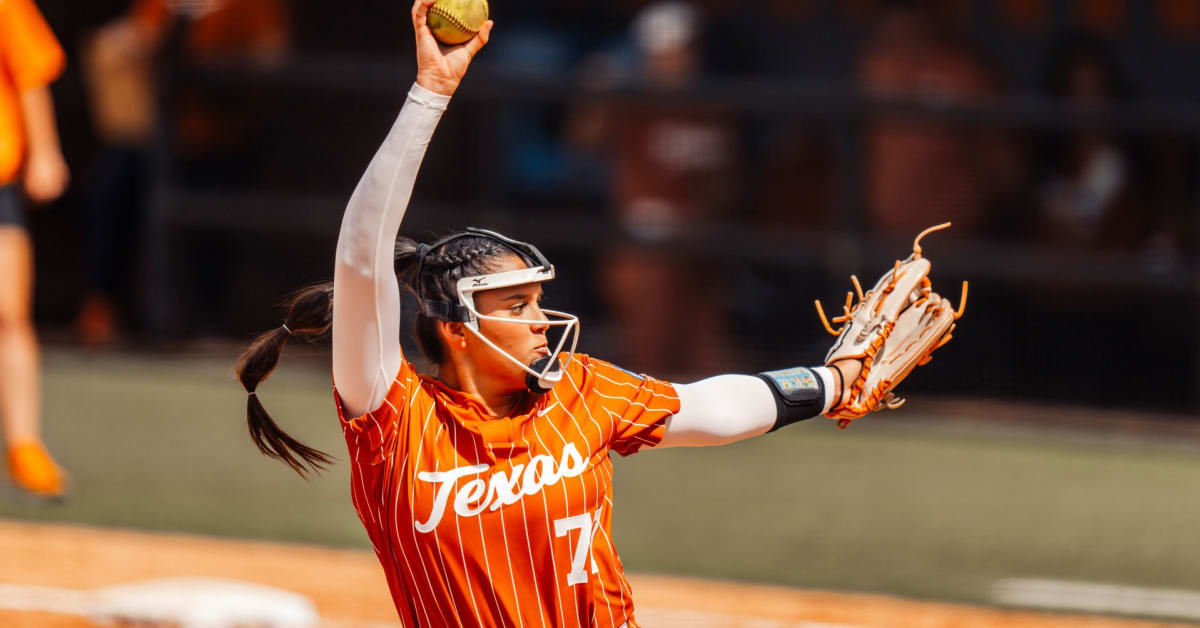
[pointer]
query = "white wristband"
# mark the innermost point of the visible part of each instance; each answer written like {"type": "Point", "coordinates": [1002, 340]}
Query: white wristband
{"type": "Point", "coordinates": [829, 382]}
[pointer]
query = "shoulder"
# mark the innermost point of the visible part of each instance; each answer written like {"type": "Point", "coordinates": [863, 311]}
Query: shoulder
{"type": "Point", "coordinates": [596, 374]}
{"type": "Point", "coordinates": [582, 363]}
{"type": "Point", "coordinates": [404, 385]}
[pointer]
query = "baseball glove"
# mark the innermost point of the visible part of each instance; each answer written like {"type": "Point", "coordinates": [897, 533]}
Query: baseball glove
{"type": "Point", "coordinates": [892, 329]}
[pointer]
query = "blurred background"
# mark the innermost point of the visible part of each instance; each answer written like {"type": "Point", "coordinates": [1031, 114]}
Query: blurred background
{"type": "Point", "coordinates": [699, 173]}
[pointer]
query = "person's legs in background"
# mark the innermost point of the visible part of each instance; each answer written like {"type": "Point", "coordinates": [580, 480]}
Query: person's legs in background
{"type": "Point", "coordinates": [113, 215]}
{"type": "Point", "coordinates": [29, 465]}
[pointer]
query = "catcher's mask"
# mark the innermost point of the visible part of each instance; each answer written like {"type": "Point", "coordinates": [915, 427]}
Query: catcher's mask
{"type": "Point", "coordinates": [542, 374]}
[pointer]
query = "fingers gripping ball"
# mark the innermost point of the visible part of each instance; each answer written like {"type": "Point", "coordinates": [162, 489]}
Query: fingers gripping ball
{"type": "Point", "coordinates": [455, 22]}
{"type": "Point", "coordinates": [892, 329]}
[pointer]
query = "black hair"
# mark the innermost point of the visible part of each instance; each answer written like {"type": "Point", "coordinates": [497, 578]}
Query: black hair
{"type": "Point", "coordinates": [428, 273]}
{"type": "Point", "coordinates": [461, 255]}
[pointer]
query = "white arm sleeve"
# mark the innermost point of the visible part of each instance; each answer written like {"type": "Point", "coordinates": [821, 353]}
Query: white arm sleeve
{"type": "Point", "coordinates": [727, 408]}
{"type": "Point", "coordinates": [366, 294]}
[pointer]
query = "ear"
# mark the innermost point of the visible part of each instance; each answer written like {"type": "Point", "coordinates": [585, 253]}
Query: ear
{"type": "Point", "coordinates": [453, 334]}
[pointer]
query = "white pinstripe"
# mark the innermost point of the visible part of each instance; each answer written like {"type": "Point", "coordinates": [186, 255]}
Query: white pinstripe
{"type": "Point", "coordinates": [404, 555]}
{"type": "Point", "coordinates": [628, 590]}
{"type": "Point", "coordinates": [529, 547]}
{"type": "Point", "coordinates": [550, 535]}
{"type": "Point", "coordinates": [632, 385]}
{"type": "Point", "coordinates": [461, 550]}
{"type": "Point", "coordinates": [596, 491]}
{"type": "Point", "coordinates": [378, 429]}
{"type": "Point", "coordinates": [605, 377]}
{"type": "Point", "coordinates": [636, 403]}
{"type": "Point", "coordinates": [412, 496]}
{"type": "Point", "coordinates": [595, 483]}
{"type": "Point", "coordinates": [360, 504]}
{"type": "Point", "coordinates": [437, 545]}
{"type": "Point", "coordinates": [359, 469]}
{"type": "Point", "coordinates": [512, 578]}
{"type": "Point", "coordinates": [483, 539]}
{"type": "Point", "coordinates": [617, 418]}
{"type": "Point", "coordinates": [582, 483]}
{"type": "Point", "coordinates": [396, 522]}
{"type": "Point", "coordinates": [641, 378]}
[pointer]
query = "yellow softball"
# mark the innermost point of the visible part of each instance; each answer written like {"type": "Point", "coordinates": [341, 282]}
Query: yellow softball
{"type": "Point", "coordinates": [457, 21]}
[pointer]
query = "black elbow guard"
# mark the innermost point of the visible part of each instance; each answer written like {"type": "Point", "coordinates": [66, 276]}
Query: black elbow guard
{"type": "Point", "coordinates": [799, 394]}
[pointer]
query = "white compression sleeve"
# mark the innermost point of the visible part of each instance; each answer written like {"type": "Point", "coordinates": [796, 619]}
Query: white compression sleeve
{"type": "Point", "coordinates": [728, 408]}
{"type": "Point", "coordinates": [366, 296]}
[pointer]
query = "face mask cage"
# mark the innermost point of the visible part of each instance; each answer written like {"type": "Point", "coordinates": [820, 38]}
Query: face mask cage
{"type": "Point", "coordinates": [548, 371]}
{"type": "Point", "coordinates": [542, 375]}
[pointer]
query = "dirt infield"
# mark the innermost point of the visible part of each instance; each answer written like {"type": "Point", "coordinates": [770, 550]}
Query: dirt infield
{"type": "Point", "coordinates": [348, 589]}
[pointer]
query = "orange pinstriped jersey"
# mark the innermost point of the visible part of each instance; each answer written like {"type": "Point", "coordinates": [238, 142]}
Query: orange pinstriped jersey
{"type": "Point", "coordinates": [484, 521]}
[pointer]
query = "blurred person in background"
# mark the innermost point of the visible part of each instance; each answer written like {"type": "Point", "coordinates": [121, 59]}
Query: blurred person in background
{"type": "Point", "coordinates": [31, 163]}
{"type": "Point", "coordinates": [922, 171]}
{"type": "Point", "coordinates": [121, 61]}
{"type": "Point", "coordinates": [1085, 188]}
{"type": "Point", "coordinates": [673, 171]}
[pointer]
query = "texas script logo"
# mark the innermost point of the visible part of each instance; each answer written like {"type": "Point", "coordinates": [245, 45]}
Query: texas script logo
{"type": "Point", "coordinates": [500, 489]}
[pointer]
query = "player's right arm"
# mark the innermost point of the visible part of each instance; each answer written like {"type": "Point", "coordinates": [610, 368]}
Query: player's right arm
{"type": "Point", "coordinates": [366, 302]}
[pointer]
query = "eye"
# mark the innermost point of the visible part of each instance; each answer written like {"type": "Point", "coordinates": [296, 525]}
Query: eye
{"type": "Point", "coordinates": [518, 308]}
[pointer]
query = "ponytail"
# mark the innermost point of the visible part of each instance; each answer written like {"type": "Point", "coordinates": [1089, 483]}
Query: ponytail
{"type": "Point", "coordinates": [309, 317]}
{"type": "Point", "coordinates": [428, 272]}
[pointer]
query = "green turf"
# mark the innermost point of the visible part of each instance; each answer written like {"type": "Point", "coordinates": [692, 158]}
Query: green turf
{"type": "Point", "coordinates": [902, 507]}
{"type": "Point", "coordinates": [912, 511]}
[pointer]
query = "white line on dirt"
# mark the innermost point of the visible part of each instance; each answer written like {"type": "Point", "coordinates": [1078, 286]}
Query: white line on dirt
{"type": "Point", "coordinates": [1093, 597]}
{"type": "Point", "coordinates": [180, 602]}
{"type": "Point", "coordinates": [61, 601]}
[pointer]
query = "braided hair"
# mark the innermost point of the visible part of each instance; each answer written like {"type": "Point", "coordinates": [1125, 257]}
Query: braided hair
{"type": "Point", "coordinates": [428, 273]}
{"type": "Point", "coordinates": [440, 268]}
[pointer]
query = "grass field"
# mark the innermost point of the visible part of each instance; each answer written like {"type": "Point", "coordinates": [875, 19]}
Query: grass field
{"type": "Point", "coordinates": [918, 503]}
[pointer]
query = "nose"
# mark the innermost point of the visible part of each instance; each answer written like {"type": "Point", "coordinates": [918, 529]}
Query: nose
{"type": "Point", "coordinates": [540, 316]}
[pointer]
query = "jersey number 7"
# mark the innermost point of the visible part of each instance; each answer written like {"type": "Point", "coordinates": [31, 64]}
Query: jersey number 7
{"type": "Point", "coordinates": [587, 526]}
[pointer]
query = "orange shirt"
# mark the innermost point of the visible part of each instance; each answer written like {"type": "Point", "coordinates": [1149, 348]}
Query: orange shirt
{"type": "Point", "coordinates": [30, 57]}
{"type": "Point", "coordinates": [484, 521]}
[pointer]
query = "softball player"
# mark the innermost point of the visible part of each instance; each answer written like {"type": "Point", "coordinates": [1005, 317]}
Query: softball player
{"type": "Point", "coordinates": [486, 491]}
{"type": "Point", "coordinates": [32, 165]}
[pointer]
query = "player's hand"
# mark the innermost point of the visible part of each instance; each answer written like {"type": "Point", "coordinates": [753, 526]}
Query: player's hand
{"type": "Point", "coordinates": [845, 373]}
{"type": "Point", "coordinates": [440, 68]}
{"type": "Point", "coordinates": [46, 175]}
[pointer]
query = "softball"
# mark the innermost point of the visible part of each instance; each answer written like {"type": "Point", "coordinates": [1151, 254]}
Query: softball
{"type": "Point", "coordinates": [457, 21]}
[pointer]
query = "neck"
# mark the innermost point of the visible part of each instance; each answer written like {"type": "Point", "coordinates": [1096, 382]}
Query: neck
{"type": "Point", "coordinates": [500, 401]}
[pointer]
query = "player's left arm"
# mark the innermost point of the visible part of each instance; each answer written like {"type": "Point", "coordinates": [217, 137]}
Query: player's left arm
{"type": "Point", "coordinates": [729, 408]}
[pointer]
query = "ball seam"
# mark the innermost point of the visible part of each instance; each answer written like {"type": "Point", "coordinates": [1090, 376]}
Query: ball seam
{"type": "Point", "coordinates": [453, 20]}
